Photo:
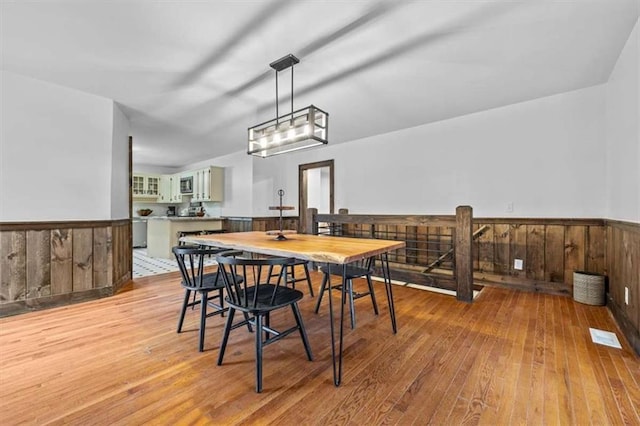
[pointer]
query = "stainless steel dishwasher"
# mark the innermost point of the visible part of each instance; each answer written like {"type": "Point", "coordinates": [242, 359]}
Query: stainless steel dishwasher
{"type": "Point", "coordinates": [139, 232]}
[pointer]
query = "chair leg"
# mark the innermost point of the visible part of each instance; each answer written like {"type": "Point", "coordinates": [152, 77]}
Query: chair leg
{"type": "Point", "coordinates": [193, 302]}
{"type": "Point", "coordinates": [267, 322]}
{"type": "Point", "coordinates": [225, 335]}
{"type": "Point", "coordinates": [322, 289]}
{"type": "Point", "coordinates": [292, 272]}
{"type": "Point", "coordinates": [373, 295]}
{"type": "Point", "coordinates": [306, 273]}
{"type": "Point", "coordinates": [247, 318]}
{"type": "Point", "coordinates": [203, 318]}
{"type": "Point", "coordinates": [221, 298]}
{"type": "Point", "coordinates": [352, 306]}
{"type": "Point", "coordinates": [258, 319]}
{"type": "Point", "coordinates": [303, 332]}
{"type": "Point", "coordinates": [183, 311]}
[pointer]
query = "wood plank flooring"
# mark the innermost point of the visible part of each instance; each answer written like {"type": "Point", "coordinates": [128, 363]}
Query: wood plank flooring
{"type": "Point", "coordinates": [509, 358]}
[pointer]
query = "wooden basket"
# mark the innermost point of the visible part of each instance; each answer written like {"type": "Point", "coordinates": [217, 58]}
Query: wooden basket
{"type": "Point", "coordinates": [588, 288]}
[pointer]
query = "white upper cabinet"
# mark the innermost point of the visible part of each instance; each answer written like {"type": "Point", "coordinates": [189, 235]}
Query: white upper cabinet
{"type": "Point", "coordinates": [208, 184]}
{"type": "Point", "coordinates": [144, 186]}
{"type": "Point", "coordinates": [176, 195]}
{"type": "Point", "coordinates": [164, 191]}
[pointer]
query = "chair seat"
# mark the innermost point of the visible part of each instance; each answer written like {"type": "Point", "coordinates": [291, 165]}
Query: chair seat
{"type": "Point", "coordinates": [284, 296]}
{"type": "Point", "coordinates": [352, 271]}
{"type": "Point", "coordinates": [211, 281]}
{"type": "Point", "coordinates": [362, 269]}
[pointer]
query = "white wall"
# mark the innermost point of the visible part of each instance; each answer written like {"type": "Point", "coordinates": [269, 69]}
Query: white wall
{"type": "Point", "coordinates": [55, 152]}
{"type": "Point", "coordinates": [318, 189]}
{"type": "Point", "coordinates": [623, 134]}
{"type": "Point", "coordinates": [120, 165]}
{"type": "Point", "coordinates": [238, 183]}
{"type": "Point", "coordinates": [545, 157]}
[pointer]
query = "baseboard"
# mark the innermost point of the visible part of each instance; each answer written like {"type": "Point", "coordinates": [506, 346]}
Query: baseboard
{"type": "Point", "coordinates": [626, 326]}
{"type": "Point", "coordinates": [29, 305]}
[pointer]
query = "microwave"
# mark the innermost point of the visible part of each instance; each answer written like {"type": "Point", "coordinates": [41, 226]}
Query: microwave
{"type": "Point", "coordinates": [186, 185]}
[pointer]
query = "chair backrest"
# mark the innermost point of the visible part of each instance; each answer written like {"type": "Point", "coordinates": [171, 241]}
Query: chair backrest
{"type": "Point", "coordinates": [249, 292]}
{"type": "Point", "coordinates": [191, 263]}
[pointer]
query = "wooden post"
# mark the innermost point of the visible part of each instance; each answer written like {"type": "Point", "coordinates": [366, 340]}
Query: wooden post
{"type": "Point", "coordinates": [311, 227]}
{"type": "Point", "coordinates": [464, 259]}
{"type": "Point", "coordinates": [343, 227]}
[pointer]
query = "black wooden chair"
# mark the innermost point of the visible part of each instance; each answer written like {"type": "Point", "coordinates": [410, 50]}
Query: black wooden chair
{"type": "Point", "coordinates": [257, 301]}
{"type": "Point", "coordinates": [291, 274]}
{"type": "Point", "coordinates": [363, 269]}
{"type": "Point", "coordinates": [210, 286]}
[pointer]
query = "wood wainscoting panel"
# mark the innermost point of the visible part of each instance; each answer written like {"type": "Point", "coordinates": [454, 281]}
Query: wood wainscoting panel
{"type": "Point", "coordinates": [574, 251]}
{"type": "Point", "coordinates": [82, 259]}
{"type": "Point", "coordinates": [485, 249]}
{"type": "Point", "coordinates": [535, 252]}
{"type": "Point", "coordinates": [122, 254]}
{"type": "Point", "coordinates": [623, 270]}
{"type": "Point", "coordinates": [502, 243]}
{"type": "Point", "coordinates": [61, 261]}
{"type": "Point", "coordinates": [552, 249]}
{"type": "Point", "coordinates": [13, 274]}
{"type": "Point", "coordinates": [102, 266]}
{"type": "Point", "coordinates": [554, 254]}
{"type": "Point", "coordinates": [596, 252]}
{"type": "Point", "coordinates": [48, 264]}
{"type": "Point", "coordinates": [517, 249]}
{"type": "Point", "coordinates": [39, 265]}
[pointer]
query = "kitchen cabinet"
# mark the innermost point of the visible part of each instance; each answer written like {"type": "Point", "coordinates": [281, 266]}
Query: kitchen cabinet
{"type": "Point", "coordinates": [164, 190]}
{"type": "Point", "coordinates": [145, 186]}
{"type": "Point", "coordinates": [175, 194]}
{"type": "Point", "coordinates": [208, 184]}
{"type": "Point", "coordinates": [162, 233]}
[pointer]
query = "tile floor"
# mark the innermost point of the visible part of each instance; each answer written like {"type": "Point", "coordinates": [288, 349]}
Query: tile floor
{"type": "Point", "coordinates": [144, 266]}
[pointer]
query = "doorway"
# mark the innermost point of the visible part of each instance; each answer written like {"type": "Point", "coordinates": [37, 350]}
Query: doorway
{"type": "Point", "coordinates": [315, 189]}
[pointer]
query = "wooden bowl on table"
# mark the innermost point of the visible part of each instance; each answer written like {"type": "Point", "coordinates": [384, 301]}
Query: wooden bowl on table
{"type": "Point", "coordinates": [145, 212]}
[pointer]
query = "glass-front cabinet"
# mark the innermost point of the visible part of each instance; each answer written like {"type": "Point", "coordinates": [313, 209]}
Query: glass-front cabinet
{"type": "Point", "coordinates": [145, 186]}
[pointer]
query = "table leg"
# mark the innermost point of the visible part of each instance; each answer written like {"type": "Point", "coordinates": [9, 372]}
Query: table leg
{"type": "Point", "coordinates": [337, 369]}
{"type": "Point", "coordinates": [342, 303]}
{"type": "Point", "coordinates": [384, 258]}
{"type": "Point", "coordinates": [333, 340]}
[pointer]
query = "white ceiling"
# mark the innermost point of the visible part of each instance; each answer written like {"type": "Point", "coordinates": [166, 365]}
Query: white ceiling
{"type": "Point", "coordinates": [193, 75]}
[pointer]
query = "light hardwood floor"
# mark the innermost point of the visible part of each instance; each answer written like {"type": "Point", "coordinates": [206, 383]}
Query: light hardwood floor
{"type": "Point", "coordinates": [508, 358]}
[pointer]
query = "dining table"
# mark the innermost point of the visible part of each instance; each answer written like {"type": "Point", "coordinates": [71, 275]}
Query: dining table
{"type": "Point", "coordinates": [324, 249]}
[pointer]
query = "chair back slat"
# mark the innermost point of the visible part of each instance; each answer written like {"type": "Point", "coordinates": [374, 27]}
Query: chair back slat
{"type": "Point", "coordinates": [249, 293]}
{"type": "Point", "coordinates": [190, 261]}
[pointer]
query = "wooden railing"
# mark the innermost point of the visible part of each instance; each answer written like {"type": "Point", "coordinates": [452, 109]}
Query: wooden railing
{"type": "Point", "coordinates": [438, 250]}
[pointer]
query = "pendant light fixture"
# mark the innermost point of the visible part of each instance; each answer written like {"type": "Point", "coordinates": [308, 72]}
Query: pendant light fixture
{"type": "Point", "coordinates": [303, 128]}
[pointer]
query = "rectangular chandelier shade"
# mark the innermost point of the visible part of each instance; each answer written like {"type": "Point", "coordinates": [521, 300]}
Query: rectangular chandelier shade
{"type": "Point", "coordinates": [304, 128]}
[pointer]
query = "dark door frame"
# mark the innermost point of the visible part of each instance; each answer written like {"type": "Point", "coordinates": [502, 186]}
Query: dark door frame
{"type": "Point", "coordinates": [302, 189]}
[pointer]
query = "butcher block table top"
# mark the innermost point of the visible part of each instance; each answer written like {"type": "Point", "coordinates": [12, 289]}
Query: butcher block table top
{"type": "Point", "coordinates": [316, 248]}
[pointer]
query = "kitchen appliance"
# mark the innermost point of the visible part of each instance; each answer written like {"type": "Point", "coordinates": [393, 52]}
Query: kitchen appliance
{"type": "Point", "coordinates": [194, 208]}
{"type": "Point", "coordinates": [186, 185]}
{"type": "Point", "coordinates": [171, 211]}
{"type": "Point", "coordinates": [139, 232]}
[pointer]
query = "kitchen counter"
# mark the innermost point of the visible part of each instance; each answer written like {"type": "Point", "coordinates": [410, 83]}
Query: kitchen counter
{"type": "Point", "coordinates": [163, 231]}
{"type": "Point", "coordinates": [184, 218]}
